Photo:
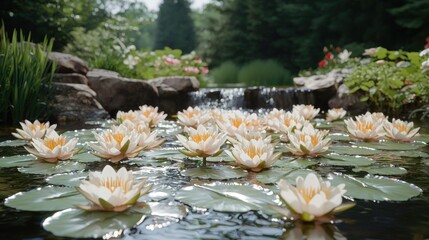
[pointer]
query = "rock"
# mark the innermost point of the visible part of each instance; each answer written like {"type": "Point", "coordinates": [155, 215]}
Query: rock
{"type": "Point", "coordinates": [67, 63]}
{"type": "Point", "coordinates": [179, 83]}
{"type": "Point", "coordinates": [76, 102]}
{"type": "Point", "coordinates": [351, 103]}
{"type": "Point", "coordinates": [117, 93]}
{"type": "Point", "coordinates": [332, 78]}
{"type": "Point", "coordinates": [101, 73]}
{"type": "Point", "coordinates": [70, 78]}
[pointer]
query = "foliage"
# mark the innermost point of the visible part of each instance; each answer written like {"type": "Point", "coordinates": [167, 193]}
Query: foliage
{"type": "Point", "coordinates": [265, 73]}
{"type": "Point", "coordinates": [25, 77]}
{"type": "Point", "coordinates": [175, 28]}
{"type": "Point", "coordinates": [227, 72]}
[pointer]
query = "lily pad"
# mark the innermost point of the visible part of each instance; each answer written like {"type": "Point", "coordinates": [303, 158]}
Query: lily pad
{"type": "Point", "coordinates": [354, 150]}
{"type": "Point", "coordinates": [426, 162]}
{"type": "Point", "coordinates": [52, 168]}
{"type": "Point", "coordinates": [146, 161]}
{"type": "Point", "coordinates": [382, 170]}
{"type": "Point", "coordinates": [423, 138]}
{"type": "Point", "coordinates": [17, 161]}
{"type": "Point", "coordinates": [410, 154]}
{"type": "Point", "coordinates": [85, 157]}
{"type": "Point", "coordinates": [295, 163]}
{"type": "Point", "coordinates": [228, 197]}
{"type": "Point", "coordinates": [166, 210]}
{"type": "Point", "coordinates": [376, 188]}
{"type": "Point", "coordinates": [46, 199]}
{"type": "Point", "coordinates": [215, 172]}
{"type": "Point", "coordinates": [392, 146]}
{"type": "Point", "coordinates": [77, 223]}
{"type": "Point", "coordinates": [67, 179]}
{"type": "Point", "coordinates": [346, 160]}
{"type": "Point", "coordinates": [339, 137]}
{"type": "Point", "coordinates": [275, 174]}
{"type": "Point", "coordinates": [13, 143]}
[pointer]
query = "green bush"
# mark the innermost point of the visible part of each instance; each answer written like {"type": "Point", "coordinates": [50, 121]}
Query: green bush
{"type": "Point", "coordinates": [265, 73]}
{"type": "Point", "coordinates": [227, 72]}
{"type": "Point", "coordinates": [25, 77]}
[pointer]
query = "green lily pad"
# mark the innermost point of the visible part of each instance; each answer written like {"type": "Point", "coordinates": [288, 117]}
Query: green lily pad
{"type": "Point", "coordinates": [410, 154]}
{"type": "Point", "coordinates": [346, 160]}
{"type": "Point", "coordinates": [339, 137]}
{"type": "Point", "coordinates": [275, 174]}
{"type": "Point", "coordinates": [426, 162]}
{"type": "Point", "coordinates": [146, 161]}
{"type": "Point", "coordinates": [162, 154]}
{"type": "Point", "coordinates": [423, 138]}
{"type": "Point", "coordinates": [13, 143]}
{"type": "Point", "coordinates": [382, 170]}
{"type": "Point", "coordinates": [354, 150]}
{"type": "Point", "coordinates": [215, 172]}
{"type": "Point", "coordinates": [46, 199]}
{"type": "Point", "coordinates": [392, 146]}
{"type": "Point", "coordinates": [17, 161]}
{"type": "Point", "coordinates": [52, 168]}
{"type": "Point", "coordinates": [77, 223]}
{"type": "Point", "coordinates": [376, 188]}
{"type": "Point", "coordinates": [67, 179]}
{"type": "Point", "coordinates": [228, 197]}
{"type": "Point", "coordinates": [295, 163]}
{"type": "Point", "coordinates": [85, 157]}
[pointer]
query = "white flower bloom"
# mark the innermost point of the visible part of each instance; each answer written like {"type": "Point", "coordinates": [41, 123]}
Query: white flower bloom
{"type": "Point", "coordinates": [33, 130]}
{"type": "Point", "coordinates": [131, 115]}
{"type": "Point", "coordinates": [287, 122]}
{"type": "Point", "coordinates": [202, 142]}
{"type": "Point", "coordinates": [147, 139]}
{"type": "Point", "coordinates": [53, 147]}
{"type": "Point", "coordinates": [370, 51]}
{"type": "Point", "coordinates": [424, 52]}
{"type": "Point", "coordinates": [192, 117]}
{"type": "Point", "coordinates": [255, 134]}
{"type": "Point", "coordinates": [151, 115]}
{"type": "Point", "coordinates": [335, 114]}
{"type": "Point", "coordinates": [344, 56]}
{"type": "Point", "coordinates": [312, 197]}
{"type": "Point", "coordinates": [131, 61]}
{"type": "Point", "coordinates": [400, 130]}
{"type": "Point", "coordinates": [368, 127]}
{"type": "Point", "coordinates": [425, 65]}
{"type": "Point", "coordinates": [308, 112]}
{"type": "Point", "coordinates": [116, 144]}
{"type": "Point", "coordinates": [308, 141]}
{"type": "Point", "coordinates": [237, 122]}
{"type": "Point", "coordinates": [254, 155]}
{"type": "Point", "coordinates": [112, 191]}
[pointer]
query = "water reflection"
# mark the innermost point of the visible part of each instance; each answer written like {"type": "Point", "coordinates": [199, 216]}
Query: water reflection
{"type": "Point", "coordinates": [312, 231]}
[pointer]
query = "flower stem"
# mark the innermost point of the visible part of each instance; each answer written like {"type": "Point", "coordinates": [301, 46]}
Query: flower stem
{"type": "Point", "coordinates": [204, 161]}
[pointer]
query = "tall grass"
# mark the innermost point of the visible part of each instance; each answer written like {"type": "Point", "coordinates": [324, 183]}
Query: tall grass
{"type": "Point", "coordinates": [25, 77]}
{"type": "Point", "coordinates": [265, 73]}
{"type": "Point", "coordinates": [227, 72]}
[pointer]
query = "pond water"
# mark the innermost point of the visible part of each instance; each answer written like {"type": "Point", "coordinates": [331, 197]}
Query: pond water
{"type": "Point", "coordinates": [367, 220]}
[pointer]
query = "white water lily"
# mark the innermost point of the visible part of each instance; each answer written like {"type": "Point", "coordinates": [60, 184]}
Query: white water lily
{"type": "Point", "coordinates": [131, 116]}
{"type": "Point", "coordinates": [312, 197]}
{"type": "Point", "coordinates": [308, 141]}
{"type": "Point", "coordinates": [400, 130]}
{"type": "Point", "coordinates": [116, 144]}
{"type": "Point", "coordinates": [192, 117]}
{"type": "Point", "coordinates": [308, 112]}
{"type": "Point", "coordinates": [202, 142]}
{"type": "Point", "coordinates": [112, 191]}
{"type": "Point", "coordinates": [368, 127]}
{"type": "Point", "coordinates": [255, 134]}
{"type": "Point", "coordinates": [53, 147]}
{"type": "Point", "coordinates": [237, 122]}
{"type": "Point", "coordinates": [287, 122]}
{"type": "Point", "coordinates": [344, 56]}
{"type": "Point", "coordinates": [33, 130]}
{"type": "Point", "coordinates": [147, 139]}
{"type": "Point", "coordinates": [335, 114]}
{"type": "Point", "coordinates": [254, 155]}
{"type": "Point", "coordinates": [151, 115]}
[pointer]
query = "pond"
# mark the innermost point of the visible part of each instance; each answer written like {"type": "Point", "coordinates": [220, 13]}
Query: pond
{"type": "Point", "coordinates": [170, 172]}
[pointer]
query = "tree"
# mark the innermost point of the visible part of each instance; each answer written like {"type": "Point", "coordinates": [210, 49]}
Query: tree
{"type": "Point", "coordinates": [175, 27]}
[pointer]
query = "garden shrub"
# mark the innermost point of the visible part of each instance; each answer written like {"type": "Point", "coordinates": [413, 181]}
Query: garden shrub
{"type": "Point", "coordinates": [265, 73]}
{"type": "Point", "coordinates": [227, 72]}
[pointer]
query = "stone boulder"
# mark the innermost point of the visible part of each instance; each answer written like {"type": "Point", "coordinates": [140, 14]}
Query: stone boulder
{"type": "Point", "coordinates": [117, 93]}
{"type": "Point", "coordinates": [97, 73]}
{"type": "Point", "coordinates": [70, 78]}
{"type": "Point", "coordinates": [76, 102]}
{"type": "Point", "coordinates": [67, 63]}
{"type": "Point", "coordinates": [179, 83]}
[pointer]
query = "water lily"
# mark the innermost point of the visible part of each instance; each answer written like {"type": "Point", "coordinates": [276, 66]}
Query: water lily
{"type": "Point", "coordinates": [192, 117]}
{"type": "Point", "coordinates": [287, 122]}
{"type": "Point", "coordinates": [147, 139]}
{"type": "Point", "coordinates": [367, 127]}
{"type": "Point", "coordinates": [237, 122]}
{"type": "Point", "coordinates": [308, 112]}
{"type": "Point", "coordinates": [312, 197]}
{"type": "Point", "coordinates": [53, 147]}
{"type": "Point", "coordinates": [400, 130]}
{"type": "Point", "coordinates": [116, 144]}
{"type": "Point", "coordinates": [33, 130]}
{"type": "Point", "coordinates": [131, 115]}
{"type": "Point", "coordinates": [344, 56]}
{"type": "Point", "coordinates": [254, 155]}
{"type": "Point", "coordinates": [335, 114]}
{"type": "Point", "coordinates": [202, 142]}
{"type": "Point", "coordinates": [131, 61]}
{"type": "Point", "coordinates": [308, 141]}
{"type": "Point", "coordinates": [112, 191]}
{"type": "Point", "coordinates": [151, 115]}
{"type": "Point", "coordinates": [255, 134]}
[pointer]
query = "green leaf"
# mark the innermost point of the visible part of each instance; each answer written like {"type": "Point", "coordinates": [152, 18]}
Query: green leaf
{"type": "Point", "coordinates": [346, 160]}
{"type": "Point", "coordinates": [363, 99]}
{"type": "Point", "coordinates": [215, 172]}
{"type": "Point", "coordinates": [295, 163]}
{"type": "Point", "coordinates": [52, 168]}
{"type": "Point", "coordinates": [376, 188]}
{"type": "Point", "coordinates": [46, 199]}
{"type": "Point", "coordinates": [228, 197]}
{"type": "Point", "coordinates": [77, 223]}
{"type": "Point", "coordinates": [426, 162]}
{"type": "Point", "coordinates": [289, 174]}
{"type": "Point", "coordinates": [382, 170]}
{"type": "Point", "coordinates": [13, 143]}
{"type": "Point", "coordinates": [17, 161]}
{"type": "Point", "coordinates": [105, 204]}
{"type": "Point", "coordinates": [85, 157]}
{"type": "Point", "coordinates": [354, 150]}
{"type": "Point", "coordinates": [124, 148]}
{"type": "Point", "coordinates": [381, 53]}
{"type": "Point", "coordinates": [410, 154]}
{"type": "Point", "coordinates": [339, 137]}
{"type": "Point", "coordinates": [67, 179]}
{"type": "Point", "coordinates": [392, 146]}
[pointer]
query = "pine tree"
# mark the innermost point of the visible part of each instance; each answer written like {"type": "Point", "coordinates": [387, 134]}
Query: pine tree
{"type": "Point", "coordinates": [175, 27]}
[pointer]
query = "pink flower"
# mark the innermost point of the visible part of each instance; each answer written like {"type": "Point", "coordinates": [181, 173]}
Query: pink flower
{"type": "Point", "coordinates": [427, 45]}
{"type": "Point", "coordinates": [329, 56]}
{"type": "Point", "coordinates": [323, 63]}
{"type": "Point", "coordinates": [170, 61]}
{"type": "Point", "coordinates": [191, 70]}
{"type": "Point", "coordinates": [205, 70]}
{"type": "Point", "coordinates": [427, 39]}
{"type": "Point", "coordinates": [198, 60]}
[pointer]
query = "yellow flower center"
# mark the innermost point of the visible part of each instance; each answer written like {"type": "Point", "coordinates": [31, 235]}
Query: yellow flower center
{"type": "Point", "coordinates": [117, 137]}
{"type": "Point", "coordinates": [253, 151]}
{"type": "Point", "coordinates": [365, 126]}
{"type": "Point", "coordinates": [236, 122]}
{"type": "Point", "coordinates": [52, 142]}
{"type": "Point", "coordinates": [128, 117]}
{"type": "Point", "coordinates": [401, 127]}
{"type": "Point", "coordinates": [112, 183]}
{"type": "Point", "coordinates": [201, 137]}
{"type": "Point", "coordinates": [314, 140]}
{"type": "Point", "coordinates": [309, 193]}
{"type": "Point", "coordinates": [34, 127]}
